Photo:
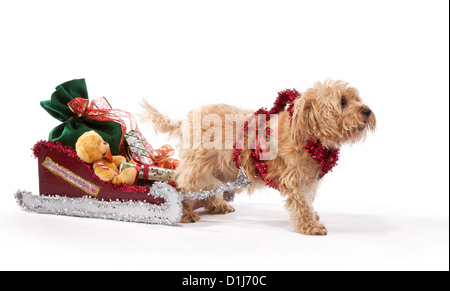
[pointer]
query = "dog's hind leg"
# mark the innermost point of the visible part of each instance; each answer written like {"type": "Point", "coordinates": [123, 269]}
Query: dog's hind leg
{"type": "Point", "coordinates": [214, 205]}
{"type": "Point", "coordinates": [189, 215]}
{"type": "Point", "coordinates": [193, 178]}
{"type": "Point", "coordinates": [217, 204]}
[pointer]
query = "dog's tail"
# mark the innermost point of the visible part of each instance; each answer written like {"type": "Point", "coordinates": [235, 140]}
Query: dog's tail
{"type": "Point", "coordinates": [161, 122]}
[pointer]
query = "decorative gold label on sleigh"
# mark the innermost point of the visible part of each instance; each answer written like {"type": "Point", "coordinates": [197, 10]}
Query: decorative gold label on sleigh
{"type": "Point", "coordinates": [71, 177]}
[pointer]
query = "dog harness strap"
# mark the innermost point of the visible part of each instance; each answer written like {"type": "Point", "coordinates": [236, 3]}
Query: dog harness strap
{"type": "Point", "coordinates": [326, 158]}
{"type": "Point", "coordinates": [285, 98]}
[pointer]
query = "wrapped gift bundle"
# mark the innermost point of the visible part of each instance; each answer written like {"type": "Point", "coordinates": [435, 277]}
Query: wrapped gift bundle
{"type": "Point", "coordinates": [152, 165]}
{"type": "Point", "coordinates": [138, 148]}
{"type": "Point", "coordinates": [140, 151]}
{"type": "Point", "coordinates": [151, 173]}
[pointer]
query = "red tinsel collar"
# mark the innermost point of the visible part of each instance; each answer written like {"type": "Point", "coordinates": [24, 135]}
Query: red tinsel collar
{"type": "Point", "coordinates": [326, 158]}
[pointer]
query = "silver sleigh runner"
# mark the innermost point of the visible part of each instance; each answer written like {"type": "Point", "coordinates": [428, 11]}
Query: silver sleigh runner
{"type": "Point", "coordinates": [169, 212]}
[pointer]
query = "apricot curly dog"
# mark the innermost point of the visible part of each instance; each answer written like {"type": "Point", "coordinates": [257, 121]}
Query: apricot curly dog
{"type": "Point", "coordinates": [323, 118]}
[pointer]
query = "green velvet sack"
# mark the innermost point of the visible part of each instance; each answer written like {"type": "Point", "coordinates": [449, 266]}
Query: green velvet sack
{"type": "Point", "coordinates": [73, 126]}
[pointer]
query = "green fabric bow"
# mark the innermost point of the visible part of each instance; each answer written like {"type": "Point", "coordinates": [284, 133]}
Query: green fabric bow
{"type": "Point", "coordinates": [73, 126]}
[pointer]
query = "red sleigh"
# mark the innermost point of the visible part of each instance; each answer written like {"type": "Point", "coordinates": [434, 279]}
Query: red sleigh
{"type": "Point", "coordinates": [69, 186]}
{"type": "Point", "coordinates": [61, 172]}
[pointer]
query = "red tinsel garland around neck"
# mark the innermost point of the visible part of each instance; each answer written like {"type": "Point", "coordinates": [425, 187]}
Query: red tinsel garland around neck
{"type": "Point", "coordinates": [326, 158]}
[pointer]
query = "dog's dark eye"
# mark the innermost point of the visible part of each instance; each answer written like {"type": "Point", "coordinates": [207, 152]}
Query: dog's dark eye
{"type": "Point", "coordinates": [343, 102]}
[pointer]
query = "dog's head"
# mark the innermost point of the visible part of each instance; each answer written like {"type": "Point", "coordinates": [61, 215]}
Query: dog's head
{"type": "Point", "coordinates": [332, 112]}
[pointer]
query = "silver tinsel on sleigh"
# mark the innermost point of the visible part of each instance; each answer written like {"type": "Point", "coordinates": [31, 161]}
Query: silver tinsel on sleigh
{"type": "Point", "coordinates": [168, 213]}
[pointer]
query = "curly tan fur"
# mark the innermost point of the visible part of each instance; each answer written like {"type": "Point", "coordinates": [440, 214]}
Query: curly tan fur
{"type": "Point", "coordinates": [331, 111]}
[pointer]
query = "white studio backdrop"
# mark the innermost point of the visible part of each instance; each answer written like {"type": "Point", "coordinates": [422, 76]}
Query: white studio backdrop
{"type": "Point", "coordinates": [180, 55]}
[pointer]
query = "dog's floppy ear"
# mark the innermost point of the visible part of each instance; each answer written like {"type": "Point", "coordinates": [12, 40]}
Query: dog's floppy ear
{"type": "Point", "coordinates": [302, 122]}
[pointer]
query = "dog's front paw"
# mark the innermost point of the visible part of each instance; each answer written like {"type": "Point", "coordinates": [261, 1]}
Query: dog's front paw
{"type": "Point", "coordinates": [190, 217]}
{"type": "Point", "coordinates": [312, 228]}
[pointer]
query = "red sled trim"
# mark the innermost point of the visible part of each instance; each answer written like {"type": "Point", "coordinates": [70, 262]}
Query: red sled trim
{"type": "Point", "coordinates": [63, 173]}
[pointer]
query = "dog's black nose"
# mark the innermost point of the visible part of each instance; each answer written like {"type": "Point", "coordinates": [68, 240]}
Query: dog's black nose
{"type": "Point", "coordinates": [366, 113]}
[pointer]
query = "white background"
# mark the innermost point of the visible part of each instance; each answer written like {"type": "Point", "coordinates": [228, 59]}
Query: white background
{"type": "Point", "coordinates": [386, 205]}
